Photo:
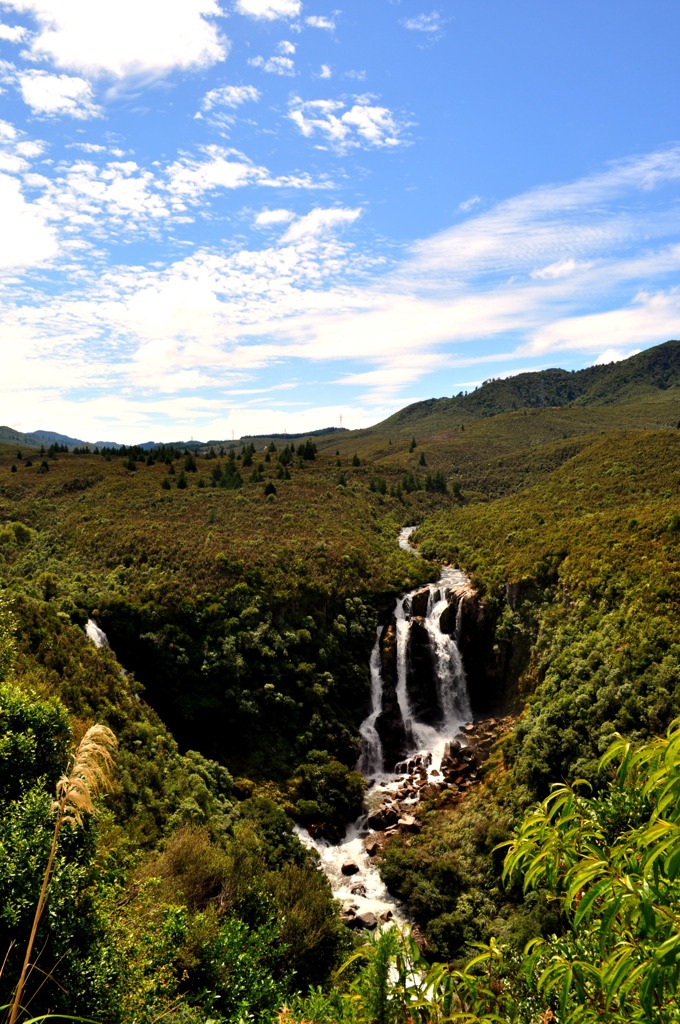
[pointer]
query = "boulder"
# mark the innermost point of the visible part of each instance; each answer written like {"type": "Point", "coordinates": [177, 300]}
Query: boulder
{"type": "Point", "coordinates": [408, 823]}
{"type": "Point", "coordinates": [332, 833]}
{"type": "Point", "coordinates": [388, 653]}
{"type": "Point", "coordinates": [349, 868]}
{"type": "Point", "coordinates": [386, 916]}
{"type": "Point", "coordinates": [382, 818]}
{"type": "Point", "coordinates": [365, 920]}
{"type": "Point", "coordinates": [419, 602]}
{"type": "Point", "coordinates": [452, 749]}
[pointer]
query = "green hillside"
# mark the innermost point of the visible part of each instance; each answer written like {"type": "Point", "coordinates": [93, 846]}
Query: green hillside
{"type": "Point", "coordinates": [653, 370]}
{"type": "Point", "coordinates": [241, 594]}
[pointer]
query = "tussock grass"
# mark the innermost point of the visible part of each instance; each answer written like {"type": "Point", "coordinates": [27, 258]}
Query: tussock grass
{"type": "Point", "coordinates": [75, 793]}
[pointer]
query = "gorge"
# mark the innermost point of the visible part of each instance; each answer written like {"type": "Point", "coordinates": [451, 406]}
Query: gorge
{"type": "Point", "coordinates": [418, 739]}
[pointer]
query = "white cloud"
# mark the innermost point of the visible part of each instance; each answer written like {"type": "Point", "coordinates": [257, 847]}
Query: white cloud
{"type": "Point", "coordinates": [11, 163]}
{"type": "Point", "coordinates": [319, 222]}
{"type": "Point", "coordinates": [274, 65]}
{"type": "Point", "coordinates": [266, 218]}
{"type": "Point", "coordinates": [613, 355]}
{"type": "Point", "coordinates": [57, 94]}
{"type": "Point", "coordinates": [363, 124]}
{"type": "Point", "coordinates": [130, 37]}
{"type": "Point", "coordinates": [30, 148]}
{"type": "Point", "coordinates": [561, 268]}
{"type": "Point", "coordinates": [222, 169]}
{"type": "Point", "coordinates": [552, 224]}
{"type": "Point", "coordinates": [231, 96]}
{"type": "Point", "coordinates": [469, 204]}
{"type": "Point", "coordinates": [286, 47]}
{"type": "Point", "coordinates": [650, 318]}
{"type": "Point", "coordinates": [430, 23]}
{"type": "Point", "coordinates": [565, 268]}
{"type": "Point", "coordinates": [325, 71]}
{"type": "Point", "coordinates": [269, 9]}
{"type": "Point", "coordinates": [7, 131]}
{"type": "Point", "coordinates": [13, 33]}
{"type": "Point", "coordinates": [189, 178]}
{"type": "Point", "coordinates": [117, 199]}
{"type": "Point", "coordinates": [87, 147]}
{"type": "Point", "coordinates": [315, 21]}
{"type": "Point", "coordinates": [26, 239]}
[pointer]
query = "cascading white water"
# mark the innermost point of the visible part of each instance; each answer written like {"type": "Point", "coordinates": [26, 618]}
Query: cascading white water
{"type": "Point", "coordinates": [370, 761]}
{"type": "Point", "coordinates": [452, 692]}
{"type": "Point", "coordinates": [95, 634]}
{"type": "Point", "coordinates": [364, 890]}
{"type": "Point", "coordinates": [452, 685]}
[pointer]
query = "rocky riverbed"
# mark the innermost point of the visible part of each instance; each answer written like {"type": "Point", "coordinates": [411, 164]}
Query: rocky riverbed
{"type": "Point", "coordinates": [353, 864]}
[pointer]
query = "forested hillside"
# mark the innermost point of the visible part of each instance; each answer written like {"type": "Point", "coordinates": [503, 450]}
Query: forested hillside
{"type": "Point", "coordinates": [240, 590]}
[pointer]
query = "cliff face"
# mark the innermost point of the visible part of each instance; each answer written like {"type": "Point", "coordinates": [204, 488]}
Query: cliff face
{"type": "Point", "coordinates": [427, 683]}
{"type": "Point", "coordinates": [389, 724]}
{"type": "Point", "coordinates": [492, 665]}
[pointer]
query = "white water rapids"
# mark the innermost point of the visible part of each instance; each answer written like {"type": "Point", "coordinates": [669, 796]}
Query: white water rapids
{"type": "Point", "coordinates": [364, 891]}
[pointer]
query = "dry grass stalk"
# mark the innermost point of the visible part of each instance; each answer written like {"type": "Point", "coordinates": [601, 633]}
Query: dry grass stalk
{"type": "Point", "coordinates": [75, 794]}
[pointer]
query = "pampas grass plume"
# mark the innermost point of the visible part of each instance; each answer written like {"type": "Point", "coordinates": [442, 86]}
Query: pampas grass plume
{"type": "Point", "coordinates": [75, 794]}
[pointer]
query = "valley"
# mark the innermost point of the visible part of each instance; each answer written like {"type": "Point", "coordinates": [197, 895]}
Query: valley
{"type": "Point", "coordinates": [389, 643]}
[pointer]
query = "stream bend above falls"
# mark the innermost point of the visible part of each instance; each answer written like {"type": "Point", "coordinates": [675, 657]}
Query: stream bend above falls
{"type": "Point", "coordinates": [412, 739]}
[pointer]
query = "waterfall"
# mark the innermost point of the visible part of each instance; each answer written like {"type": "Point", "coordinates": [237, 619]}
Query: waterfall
{"type": "Point", "coordinates": [95, 634]}
{"type": "Point", "coordinates": [452, 685]}
{"type": "Point", "coordinates": [419, 728]}
{"type": "Point", "coordinates": [432, 696]}
{"type": "Point", "coordinates": [459, 620]}
{"type": "Point", "coordinates": [370, 761]}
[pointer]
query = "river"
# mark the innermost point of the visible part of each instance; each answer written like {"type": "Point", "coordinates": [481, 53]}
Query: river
{"type": "Point", "coordinates": [422, 724]}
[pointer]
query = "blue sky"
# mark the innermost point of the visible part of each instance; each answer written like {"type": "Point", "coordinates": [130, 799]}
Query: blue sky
{"type": "Point", "coordinates": [262, 215]}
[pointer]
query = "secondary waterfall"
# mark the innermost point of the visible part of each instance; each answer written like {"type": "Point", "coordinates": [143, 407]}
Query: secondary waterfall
{"type": "Point", "coordinates": [96, 634]}
{"type": "Point", "coordinates": [419, 703]}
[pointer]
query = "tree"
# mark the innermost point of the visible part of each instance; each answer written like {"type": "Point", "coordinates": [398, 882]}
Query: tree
{"type": "Point", "coordinates": [613, 861]}
{"type": "Point", "coordinates": [307, 450]}
{"type": "Point", "coordinates": [436, 482]}
{"type": "Point", "coordinates": [7, 642]}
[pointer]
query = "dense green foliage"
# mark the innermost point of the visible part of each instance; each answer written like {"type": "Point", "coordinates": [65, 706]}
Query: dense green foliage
{"type": "Point", "coordinates": [592, 553]}
{"type": "Point", "coordinates": [241, 586]}
{"type": "Point", "coordinates": [611, 864]}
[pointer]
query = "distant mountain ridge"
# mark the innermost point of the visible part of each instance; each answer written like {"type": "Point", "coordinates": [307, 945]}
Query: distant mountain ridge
{"type": "Point", "coordinates": [654, 369]}
{"type": "Point", "coordinates": [36, 438]}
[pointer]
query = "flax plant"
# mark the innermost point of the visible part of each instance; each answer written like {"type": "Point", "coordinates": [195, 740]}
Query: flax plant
{"type": "Point", "coordinates": [75, 793]}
